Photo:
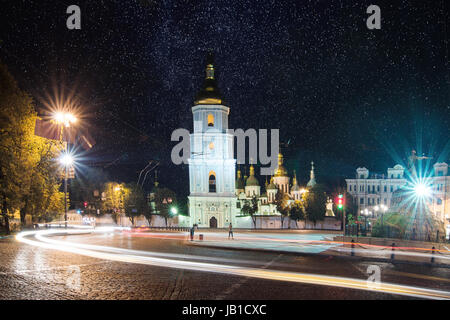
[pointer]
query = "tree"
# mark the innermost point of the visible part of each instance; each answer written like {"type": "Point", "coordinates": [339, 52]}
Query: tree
{"type": "Point", "coordinates": [89, 188]}
{"type": "Point", "coordinates": [114, 194]}
{"type": "Point", "coordinates": [250, 208]}
{"type": "Point", "coordinates": [135, 202]}
{"type": "Point", "coordinates": [315, 203]}
{"type": "Point", "coordinates": [164, 200]}
{"type": "Point", "coordinates": [297, 212]}
{"type": "Point", "coordinates": [27, 170]}
{"type": "Point", "coordinates": [281, 201]}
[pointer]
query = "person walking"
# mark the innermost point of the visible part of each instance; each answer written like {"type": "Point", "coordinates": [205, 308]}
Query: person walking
{"type": "Point", "coordinates": [230, 231]}
{"type": "Point", "coordinates": [192, 233]}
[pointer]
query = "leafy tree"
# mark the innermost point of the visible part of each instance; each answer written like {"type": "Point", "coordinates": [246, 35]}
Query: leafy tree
{"type": "Point", "coordinates": [28, 177]}
{"type": "Point", "coordinates": [315, 203]}
{"type": "Point", "coordinates": [297, 212]}
{"type": "Point", "coordinates": [113, 202]}
{"type": "Point", "coordinates": [42, 199]}
{"type": "Point", "coordinates": [135, 202]}
{"type": "Point", "coordinates": [89, 188]}
{"type": "Point", "coordinates": [164, 200]}
{"type": "Point", "coordinates": [250, 208]}
{"type": "Point", "coordinates": [281, 201]}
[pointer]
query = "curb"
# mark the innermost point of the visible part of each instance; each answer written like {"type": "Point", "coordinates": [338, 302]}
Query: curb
{"type": "Point", "coordinates": [359, 258]}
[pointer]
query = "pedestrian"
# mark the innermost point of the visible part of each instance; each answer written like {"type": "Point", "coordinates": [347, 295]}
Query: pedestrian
{"type": "Point", "coordinates": [192, 233]}
{"type": "Point", "coordinates": [230, 231]}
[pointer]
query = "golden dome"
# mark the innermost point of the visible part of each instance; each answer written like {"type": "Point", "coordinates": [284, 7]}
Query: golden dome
{"type": "Point", "coordinates": [271, 185]}
{"type": "Point", "coordinates": [252, 181]}
{"type": "Point", "coordinates": [280, 171]}
{"type": "Point", "coordinates": [210, 93]}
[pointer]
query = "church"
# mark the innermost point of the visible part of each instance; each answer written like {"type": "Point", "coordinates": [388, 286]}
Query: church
{"type": "Point", "coordinates": [216, 194]}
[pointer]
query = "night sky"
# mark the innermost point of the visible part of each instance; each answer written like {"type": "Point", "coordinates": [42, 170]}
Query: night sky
{"type": "Point", "coordinates": [343, 95]}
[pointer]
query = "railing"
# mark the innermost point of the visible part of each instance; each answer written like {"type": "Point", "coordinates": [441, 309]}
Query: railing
{"type": "Point", "coordinates": [164, 228]}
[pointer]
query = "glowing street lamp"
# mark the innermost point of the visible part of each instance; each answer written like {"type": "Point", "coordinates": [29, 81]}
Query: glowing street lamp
{"type": "Point", "coordinates": [66, 160]}
{"type": "Point", "coordinates": [422, 190]}
{"type": "Point", "coordinates": [65, 118]}
{"type": "Point", "coordinates": [173, 210]}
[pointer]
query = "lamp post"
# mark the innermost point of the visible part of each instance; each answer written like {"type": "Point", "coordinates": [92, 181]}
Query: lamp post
{"type": "Point", "coordinates": [366, 213]}
{"type": "Point", "coordinates": [65, 119]}
{"type": "Point", "coordinates": [66, 160]}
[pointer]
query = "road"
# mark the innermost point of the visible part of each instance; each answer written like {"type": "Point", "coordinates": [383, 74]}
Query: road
{"type": "Point", "coordinates": [120, 265]}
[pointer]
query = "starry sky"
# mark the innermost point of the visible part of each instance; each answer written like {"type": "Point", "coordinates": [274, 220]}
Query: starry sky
{"type": "Point", "coordinates": [343, 96]}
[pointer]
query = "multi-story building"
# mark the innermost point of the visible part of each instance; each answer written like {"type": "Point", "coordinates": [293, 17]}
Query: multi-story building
{"type": "Point", "coordinates": [371, 190]}
{"type": "Point", "coordinates": [440, 187]}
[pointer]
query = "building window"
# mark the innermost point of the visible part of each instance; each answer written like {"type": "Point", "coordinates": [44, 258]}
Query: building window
{"type": "Point", "coordinates": [392, 189]}
{"type": "Point", "coordinates": [210, 120]}
{"type": "Point", "coordinates": [212, 182]}
{"type": "Point", "coordinates": [361, 201]}
{"type": "Point", "coordinates": [385, 188]}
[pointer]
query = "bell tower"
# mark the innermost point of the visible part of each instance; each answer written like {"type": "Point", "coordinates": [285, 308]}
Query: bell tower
{"type": "Point", "coordinates": [212, 199]}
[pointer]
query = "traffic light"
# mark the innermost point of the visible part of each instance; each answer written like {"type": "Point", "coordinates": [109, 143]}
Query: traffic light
{"type": "Point", "coordinates": [85, 204]}
{"type": "Point", "coordinates": [340, 202]}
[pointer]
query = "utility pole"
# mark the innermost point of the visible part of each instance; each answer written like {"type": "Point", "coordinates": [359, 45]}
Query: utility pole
{"type": "Point", "coordinates": [65, 196]}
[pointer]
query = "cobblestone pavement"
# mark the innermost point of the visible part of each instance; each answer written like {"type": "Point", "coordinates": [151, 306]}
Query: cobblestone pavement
{"type": "Point", "coordinates": [28, 272]}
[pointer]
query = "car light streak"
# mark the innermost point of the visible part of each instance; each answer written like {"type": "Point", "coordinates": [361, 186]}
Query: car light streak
{"type": "Point", "coordinates": [140, 258]}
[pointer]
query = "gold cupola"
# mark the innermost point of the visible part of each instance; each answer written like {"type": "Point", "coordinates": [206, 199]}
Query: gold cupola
{"type": "Point", "coordinates": [280, 171]}
{"type": "Point", "coordinates": [210, 93]}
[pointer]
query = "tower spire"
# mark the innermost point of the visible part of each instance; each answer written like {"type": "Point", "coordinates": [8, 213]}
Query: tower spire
{"type": "Point", "coordinates": [210, 93]}
{"type": "Point", "coordinates": [312, 177]}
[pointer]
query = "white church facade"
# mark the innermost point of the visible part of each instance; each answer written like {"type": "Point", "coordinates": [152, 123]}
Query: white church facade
{"type": "Point", "coordinates": [216, 195]}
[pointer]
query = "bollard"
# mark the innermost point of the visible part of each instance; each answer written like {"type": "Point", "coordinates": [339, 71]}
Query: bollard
{"type": "Point", "coordinates": [200, 237]}
{"type": "Point", "coordinates": [353, 248]}
{"type": "Point", "coordinates": [393, 249]}
{"type": "Point", "coordinates": [432, 254]}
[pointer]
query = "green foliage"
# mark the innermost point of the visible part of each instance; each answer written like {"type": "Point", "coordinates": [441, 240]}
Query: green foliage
{"type": "Point", "coordinates": [88, 188]}
{"type": "Point", "coordinates": [164, 200]}
{"type": "Point", "coordinates": [408, 225]}
{"type": "Point", "coordinates": [281, 201]}
{"type": "Point", "coordinates": [315, 203]}
{"type": "Point", "coordinates": [297, 212]}
{"type": "Point", "coordinates": [135, 202]}
{"type": "Point", "coordinates": [250, 208]}
{"type": "Point", "coordinates": [29, 179]}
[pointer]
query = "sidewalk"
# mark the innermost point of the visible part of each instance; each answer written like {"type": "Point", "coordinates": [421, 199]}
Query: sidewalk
{"type": "Point", "coordinates": [324, 244]}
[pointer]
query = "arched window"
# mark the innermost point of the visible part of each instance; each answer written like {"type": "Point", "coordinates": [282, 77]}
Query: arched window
{"type": "Point", "coordinates": [210, 120]}
{"type": "Point", "coordinates": [212, 182]}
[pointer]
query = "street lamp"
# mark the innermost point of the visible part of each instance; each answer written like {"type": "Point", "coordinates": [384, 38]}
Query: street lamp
{"type": "Point", "coordinates": [173, 210]}
{"type": "Point", "coordinates": [65, 118]}
{"type": "Point", "coordinates": [67, 161]}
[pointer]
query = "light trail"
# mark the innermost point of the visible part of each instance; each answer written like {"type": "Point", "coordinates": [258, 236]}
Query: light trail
{"type": "Point", "coordinates": [140, 257]}
{"type": "Point", "coordinates": [373, 249]}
